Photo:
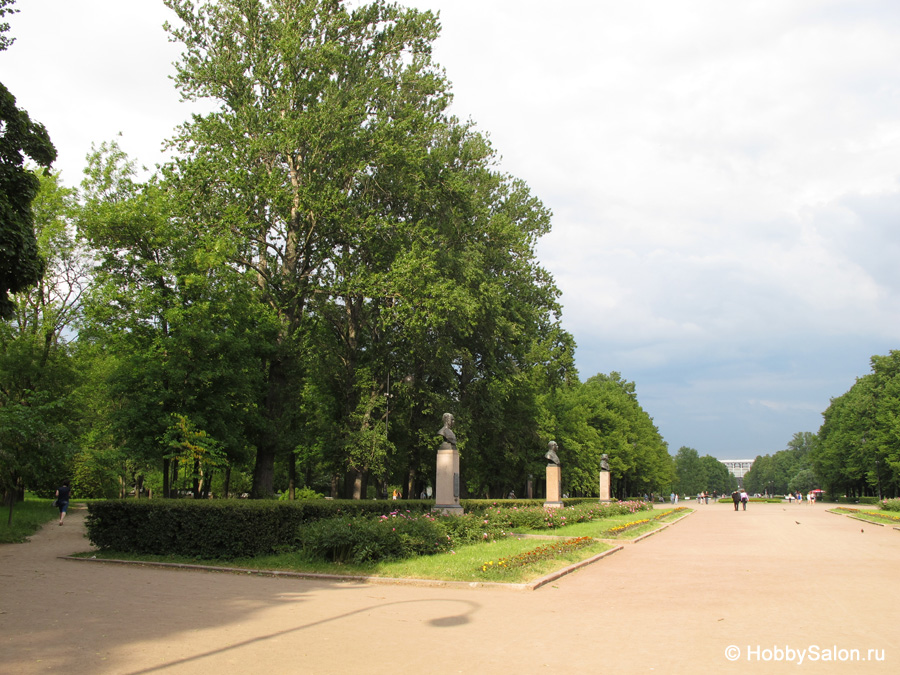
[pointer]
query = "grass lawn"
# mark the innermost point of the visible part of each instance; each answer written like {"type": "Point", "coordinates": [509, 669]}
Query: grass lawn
{"type": "Point", "coordinates": [599, 529]}
{"type": "Point", "coordinates": [27, 518]}
{"type": "Point", "coordinates": [873, 516]}
{"type": "Point", "coordinates": [463, 564]}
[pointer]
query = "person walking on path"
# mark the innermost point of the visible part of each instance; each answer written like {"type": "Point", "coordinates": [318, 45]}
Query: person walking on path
{"type": "Point", "coordinates": [744, 499]}
{"type": "Point", "coordinates": [736, 498]}
{"type": "Point", "coordinates": [63, 492]}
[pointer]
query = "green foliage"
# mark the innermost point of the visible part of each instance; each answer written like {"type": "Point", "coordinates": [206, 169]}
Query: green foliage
{"type": "Point", "coordinates": [368, 540]}
{"type": "Point", "coordinates": [788, 469]}
{"type": "Point", "coordinates": [695, 474]}
{"type": "Point", "coordinates": [336, 530]}
{"type": "Point", "coordinates": [202, 528]}
{"type": "Point", "coordinates": [39, 409]}
{"type": "Point", "coordinates": [218, 528]}
{"type": "Point", "coordinates": [302, 493]}
{"type": "Point", "coordinates": [603, 416]}
{"type": "Point", "coordinates": [890, 504]}
{"type": "Point", "coordinates": [30, 516]}
{"type": "Point", "coordinates": [20, 137]}
{"type": "Point", "coordinates": [858, 453]}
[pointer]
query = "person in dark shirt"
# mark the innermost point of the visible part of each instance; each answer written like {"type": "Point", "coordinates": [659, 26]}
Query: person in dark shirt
{"type": "Point", "coordinates": [62, 500]}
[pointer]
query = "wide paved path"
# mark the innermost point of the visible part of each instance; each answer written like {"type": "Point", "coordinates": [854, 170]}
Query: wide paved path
{"type": "Point", "coordinates": [760, 586]}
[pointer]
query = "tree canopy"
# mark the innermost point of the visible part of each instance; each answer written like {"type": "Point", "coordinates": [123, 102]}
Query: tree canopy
{"type": "Point", "coordinates": [858, 450]}
{"type": "Point", "coordinates": [21, 139]}
{"type": "Point", "coordinates": [330, 262]}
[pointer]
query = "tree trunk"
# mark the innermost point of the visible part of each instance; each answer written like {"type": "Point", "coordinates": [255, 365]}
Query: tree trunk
{"type": "Point", "coordinates": [292, 475]}
{"type": "Point", "coordinates": [411, 483]}
{"type": "Point", "coordinates": [195, 480]}
{"type": "Point", "coordinates": [227, 486]}
{"type": "Point", "coordinates": [174, 477]}
{"type": "Point", "coordinates": [166, 485]}
{"type": "Point", "coordinates": [264, 469]}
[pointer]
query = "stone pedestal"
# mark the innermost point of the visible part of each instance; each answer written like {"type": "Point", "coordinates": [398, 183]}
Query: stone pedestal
{"type": "Point", "coordinates": [554, 487]}
{"type": "Point", "coordinates": [446, 493]}
{"type": "Point", "coordinates": [604, 487]}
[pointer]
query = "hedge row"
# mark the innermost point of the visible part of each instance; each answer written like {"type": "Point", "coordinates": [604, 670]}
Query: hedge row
{"type": "Point", "coordinates": [332, 529]}
{"type": "Point", "coordinates": [216, 529]}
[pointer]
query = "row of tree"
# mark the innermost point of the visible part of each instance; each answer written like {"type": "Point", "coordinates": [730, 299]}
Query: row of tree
{"type": "Point", "coordinates": [856, 452]}
{"type": "Point", "coordinates": [858, 449]}
{"type": "Point", "coordinates": [331, 262]}
{"type": "Point", "coordinates": [788, 470]}
{"type": "Point", "coordinates": [695, 474]}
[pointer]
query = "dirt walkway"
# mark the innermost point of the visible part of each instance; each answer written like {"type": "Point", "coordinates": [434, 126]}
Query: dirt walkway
{"type": "Point", "coordinates": [771, 581]}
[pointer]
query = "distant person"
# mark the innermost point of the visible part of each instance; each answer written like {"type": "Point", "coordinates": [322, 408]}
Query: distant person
{"type": "Point", "coordinates": [744, 499]}
{"type": "Point", "coordinates": [63, 492]}
{"type": "Point", "coordinates": [811, 498]}
{"type": "Point", "coordinates": [736, 498]}
{"type": "Point", "coordinates": [790, 497]}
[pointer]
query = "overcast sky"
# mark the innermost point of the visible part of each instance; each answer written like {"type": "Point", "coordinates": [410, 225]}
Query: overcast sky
{"type": "Point", "coordinates": [723, 177]}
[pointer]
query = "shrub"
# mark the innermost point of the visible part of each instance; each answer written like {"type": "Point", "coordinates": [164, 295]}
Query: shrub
{"type": "Point", "coordinates": [228, 528]}
{"type": "Point", "coordinates": [474, 527]}
{"type": "Point", "coordinates": [361, 539]}
{"type": "Point", "coordinates": [890, 504]}
{"type": "Point", "coordinates": [858, 500]}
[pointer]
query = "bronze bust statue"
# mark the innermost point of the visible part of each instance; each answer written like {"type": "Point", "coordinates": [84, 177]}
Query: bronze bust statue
{"type": "Point", "coordinates": [551, 453]}
{"type": "Point", "coordinates": [446, 432]}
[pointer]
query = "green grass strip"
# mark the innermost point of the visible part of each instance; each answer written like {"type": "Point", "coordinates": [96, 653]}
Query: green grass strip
{"type": "Point", "coordinates": [27, 518]}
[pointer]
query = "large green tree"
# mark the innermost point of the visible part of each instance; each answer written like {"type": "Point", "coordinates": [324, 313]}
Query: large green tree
{"type": "Point", "coordinates": [314, 99]}
{"type": "Point", "coordinates": [603, 416]}
{"type": "Point", "coordinates": [172, 329]}
{"type": "Point", "coordinates": [777, 474]}
{"type": "Point", "coordinates": [858, 453]}
{"type": "Point", "coordinates": [378, 232]}
{"type": "Point", "coordinates": [39, 414]}
{"type": "Point", "coordinates": [21, 138]}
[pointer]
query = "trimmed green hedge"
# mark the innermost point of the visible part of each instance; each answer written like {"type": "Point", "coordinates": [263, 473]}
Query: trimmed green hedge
{"type": "Point", "coordinates": [218, 529]}
{"type": "Point", "coordinates": [227, 529]}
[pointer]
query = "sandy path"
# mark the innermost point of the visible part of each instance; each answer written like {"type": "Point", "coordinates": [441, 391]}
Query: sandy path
{"type": "Point", "coordinates": [670, 604]}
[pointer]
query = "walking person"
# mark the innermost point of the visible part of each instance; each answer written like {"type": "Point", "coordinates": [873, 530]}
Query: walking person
{"type": "Point", "coordinates": [744, 499]}
{"type": "Point", "coordinates": [736, 498]}
{"type": "Point", "coordinates": [63, 492]}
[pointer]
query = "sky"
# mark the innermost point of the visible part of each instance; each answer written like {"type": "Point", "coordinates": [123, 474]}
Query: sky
{"type": "Point", "coordinates": [724, 177]}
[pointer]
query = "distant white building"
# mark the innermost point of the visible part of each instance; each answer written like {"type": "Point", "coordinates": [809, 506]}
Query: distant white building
{"type": "Point", "coordinates": [738, 468]}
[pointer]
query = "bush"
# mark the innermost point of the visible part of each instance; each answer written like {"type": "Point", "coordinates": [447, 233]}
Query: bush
{"type": "Point", "coordinates": [474, 527]}
{"type": "Point", "coordinates": [857, 500]}
{"type": "Point", "coordinates": [890, 504]}
{"type": "Point", "coordinates": [359, 539]}
{"type": "Point", "coordinates": [218, 529]}
{"type": "Point", "coordinates": [361, 531]}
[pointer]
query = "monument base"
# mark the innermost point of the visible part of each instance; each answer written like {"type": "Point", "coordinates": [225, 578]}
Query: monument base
{"type": "Point", "coordinates": [604, 487]}
{"type": "Point", "coordinates": [446, 488]}
{"type": "Point", "coordinates": [554, 487]}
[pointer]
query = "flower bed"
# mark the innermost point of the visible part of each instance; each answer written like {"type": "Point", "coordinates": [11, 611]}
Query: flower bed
{"type": "Point", "coordinates": [866, 513]}
{"type": "Point", "coordinates": [546, 552]}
